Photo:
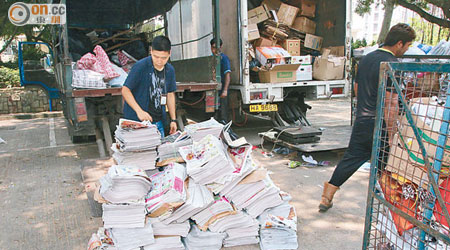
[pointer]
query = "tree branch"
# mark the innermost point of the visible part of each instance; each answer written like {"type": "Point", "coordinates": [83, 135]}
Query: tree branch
{"type": "Point", "coordinates": [443, 4]}
{"type": "Point", "coordinates": [8, 42]}
{"type": "Point", "coordinates": [424, 14]}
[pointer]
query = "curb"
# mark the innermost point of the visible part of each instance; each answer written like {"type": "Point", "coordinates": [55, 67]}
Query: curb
{"type": "Point", "coordinates": [23, 116]}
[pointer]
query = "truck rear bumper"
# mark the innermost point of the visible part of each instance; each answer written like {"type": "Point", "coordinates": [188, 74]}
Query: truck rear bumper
{"type": "Point", "coordinates": [315, 89]}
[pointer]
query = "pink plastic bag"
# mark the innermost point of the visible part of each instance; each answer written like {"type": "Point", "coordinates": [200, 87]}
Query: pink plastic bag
{"type": "Point", "coordinates": [99, 63]}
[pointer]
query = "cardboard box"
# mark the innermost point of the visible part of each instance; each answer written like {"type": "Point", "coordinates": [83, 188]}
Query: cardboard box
{"type": "Point", "coordinates": [253, 32]}
{"type": "Point", "coordinates": [258, 14]}
{"type": "Point", "coordinates": [429, 138]}
{"type": "Point", "coordinates": [335, 50]}
{"type": "Point", "coordinates": [313, 42]}
{"type": "Point", "coordinates": [270, 56]}
{"type": "Point", "coordinates": [329, 68]}
{"type": "Point", "coordinates": [272, 4]}
{"type": "Point", "coordinates": [279, 73]}
{"type": "Point", "coordinates": [428, 81]}
{"type": "Point", "coordinates": [304, 73]}
{"type": "Point", "coordinates": [305, 25]}
{"type": "Point", "coordinates": [301, 59]}
{"type": "Point", "coordinates": [292, 46]}
{"type": "Point", "coordinates": [307, 8]}
{"type": "Point", "coordinates": [264, 42]}
{"type": "Point", "coordinates": [287, 14]}
{"type": "Point", "coordinates": [399, 163]}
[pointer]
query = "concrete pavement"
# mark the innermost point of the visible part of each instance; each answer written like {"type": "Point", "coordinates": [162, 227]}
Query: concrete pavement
{"type": "Point", "coordinates": [43, 204]}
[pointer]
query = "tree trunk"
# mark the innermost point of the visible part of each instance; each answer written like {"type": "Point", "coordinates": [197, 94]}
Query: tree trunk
{"type": "Point", "coordinates": [423, 31]}
{"type": "Point", "coordinates": [431, 33]}
{"type": "Point", "coordinates": [388, 10]}
{"type": "Point", "coordinates": [433, 12]}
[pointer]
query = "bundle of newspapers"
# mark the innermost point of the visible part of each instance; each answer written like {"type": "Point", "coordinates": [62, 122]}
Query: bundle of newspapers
{"type": "Point", "coordinates": [136, 144]}
{"type": "Point", "coordinates": [279, 226]}
{"type": "Point", "coordinates": [168, 150]}
{"type": "Point", "coordinates": [207, 193]}
{"type": "Point", "coordinates": [198, 131]}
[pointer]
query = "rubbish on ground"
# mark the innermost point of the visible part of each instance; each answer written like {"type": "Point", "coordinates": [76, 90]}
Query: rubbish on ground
{"type": "Point", "coordinates": [2, 141]}
{"type": "Point", "coordinates": [294, 164]}
{"type": "Point", "coordinates": [309, 159]}
{"type": "Point", "coordinates": [267, 154]}
{"type": "Point", "coordinates": [365, 167]}
{"type": "Point", "coordinates": [282, 150]}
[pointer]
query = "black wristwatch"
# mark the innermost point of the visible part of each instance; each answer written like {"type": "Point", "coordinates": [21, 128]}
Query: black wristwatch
{"type": "Point", "coordinates": [173, 121]}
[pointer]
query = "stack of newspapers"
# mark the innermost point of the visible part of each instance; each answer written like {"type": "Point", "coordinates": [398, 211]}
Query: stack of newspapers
{"type": "Point", "coordinates": [136, 144]}
{"type": "Point", "coordinates": [198, 239]}
{"type": "Point", "coordinates": [123, 184]}
{"type": "Point", "coordinates": [198, 131]}
{"type": "Point", "coordinates": [196, 189]}
{"type": "Point", "coordinates": [279, 227]}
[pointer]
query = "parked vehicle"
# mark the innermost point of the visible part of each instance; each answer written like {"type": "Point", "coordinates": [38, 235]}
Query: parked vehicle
{"type": "Point", "coordinates": [116, 24]}
{"type": "Point", "coordinates": [190, 27]}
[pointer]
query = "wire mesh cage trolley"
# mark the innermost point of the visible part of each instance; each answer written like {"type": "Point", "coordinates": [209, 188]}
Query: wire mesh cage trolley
{"type": "Point", "coordinates": [408, 201]}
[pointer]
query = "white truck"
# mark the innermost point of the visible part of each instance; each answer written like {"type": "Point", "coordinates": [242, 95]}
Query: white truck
{"type": "Point", "coordinates": [191, 25]}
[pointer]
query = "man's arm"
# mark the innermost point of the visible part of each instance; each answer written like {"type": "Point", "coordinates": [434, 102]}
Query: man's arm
{"type": "Point", "coordinates": [355, 89]}
{"type": "Point", "coordinates": [227, 84]}
{"type": "Point", "coordinates": [172, 111]}
{"type": "Point", "coordinates": [129, 98]}
{"type": "Point", "coordinates": [391, 113]}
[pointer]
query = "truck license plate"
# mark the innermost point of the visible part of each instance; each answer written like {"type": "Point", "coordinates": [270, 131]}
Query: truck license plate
{"type": "Point", "coordinates": [263, 108]}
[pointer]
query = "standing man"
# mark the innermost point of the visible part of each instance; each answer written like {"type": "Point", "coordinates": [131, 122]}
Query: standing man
{"type": "Point", "coordinates": [225, 76]}
{"type": "Point", "coordinates": [359, 149]}
{"type": "Point", "coordinates": [150, 86]}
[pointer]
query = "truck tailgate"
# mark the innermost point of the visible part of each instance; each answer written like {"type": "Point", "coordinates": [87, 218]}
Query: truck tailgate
{"type": "Point", "coordinates": [96, 92]}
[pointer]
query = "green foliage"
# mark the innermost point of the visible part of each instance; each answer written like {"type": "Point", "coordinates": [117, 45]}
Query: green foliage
{"type": "Point", "coordinates": [359, 43]}
{"type": "Point", "coordinates": [11, 65]}
{"type": "Point", "coordinates": [363, 7]}
{"type": "Point", "coordinates": [33, 33]}
{"type": "Point", "coordinates": [9, 77]}
{"type": "Point", "coordinates": [152, 28]}
{"type": "Point", "coordinates": [32, 53]}
{"type": "Point", "coordinates": [428, 33]}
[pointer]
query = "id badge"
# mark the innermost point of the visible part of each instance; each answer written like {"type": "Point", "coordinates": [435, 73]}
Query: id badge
{"type": "Point", "coordinates": [163, 99]}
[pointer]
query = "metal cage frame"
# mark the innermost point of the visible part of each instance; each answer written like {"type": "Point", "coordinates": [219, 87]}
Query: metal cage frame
{"type": "Point", "coordinates": [375, 198]}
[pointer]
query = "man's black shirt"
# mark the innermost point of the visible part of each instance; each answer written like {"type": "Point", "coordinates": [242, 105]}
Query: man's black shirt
{"type": "Point", "coordinates": [367, 79]}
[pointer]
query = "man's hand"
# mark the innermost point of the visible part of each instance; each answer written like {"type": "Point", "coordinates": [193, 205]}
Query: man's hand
{"type": "Point", "coordinates": [224, 94]}
{"type": "Point", "coordinates": [173, 127]}
{"type": "Point", "coordinates": [144, 116]}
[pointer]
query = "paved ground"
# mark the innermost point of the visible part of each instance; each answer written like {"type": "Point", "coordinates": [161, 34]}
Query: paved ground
{"type": "Point", "coordinates": [43, 204]}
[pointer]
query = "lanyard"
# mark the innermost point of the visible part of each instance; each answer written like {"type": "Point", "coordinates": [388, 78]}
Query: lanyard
{"type": "Point", "coordinates": [161, 83]}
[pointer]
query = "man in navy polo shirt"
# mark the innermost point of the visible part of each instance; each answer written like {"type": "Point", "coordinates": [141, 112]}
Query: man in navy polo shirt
{"type": "Point", "coordinates": [150, 86]}
{"type": "Point", "coordinates": [225, 75]}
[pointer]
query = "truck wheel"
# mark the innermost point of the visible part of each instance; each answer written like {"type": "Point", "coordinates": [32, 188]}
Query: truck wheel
{"type": "Point", "coordinates": [238, 115]}
{"type": "Point", "coordinates": [82, 138]}
{"type": "Point", "coordinates": [76, 139]}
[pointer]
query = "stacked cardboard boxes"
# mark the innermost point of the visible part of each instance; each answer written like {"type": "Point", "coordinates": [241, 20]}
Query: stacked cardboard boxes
{"type": "Point", "coordinates": [288, 27]}
{"type": "Point", "coordinates": [328, 67]}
